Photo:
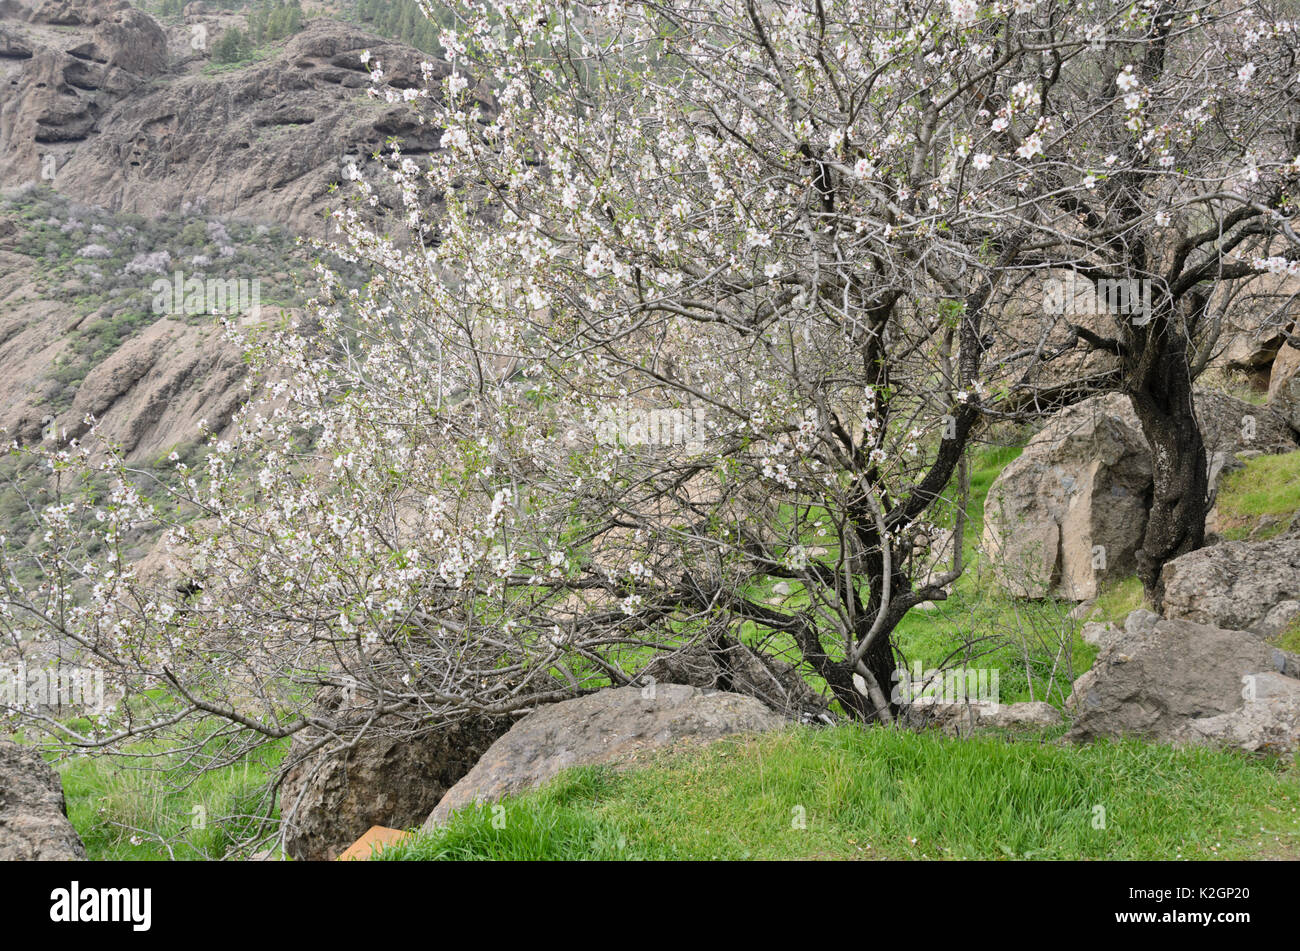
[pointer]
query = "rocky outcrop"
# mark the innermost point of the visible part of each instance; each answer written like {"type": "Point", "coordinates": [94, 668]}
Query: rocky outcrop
{"type": "Point", "coordinates": [328, 801]}
{"type": "Point", "coordinates": [151, 393]}
{"type": "Point", "coordinates": [1284, 385]}
{"type": "Point", "coordinates": [100, 108]}
{"type": "Point", "coordinates": [1176, 680]}
{"type": "Point", "coordinates": [107, 106]}
{"type": "Point", "coordinates": [1070, 512]}
{"type": "Point", "coordinates": [616, 726]}
{"type": "Point", "coordinates": [1239, 584]}
{"type": "Point", "coordinates": [65, 65]}
{"type": "Point", "coordinates": [147, 396]}
{"type": "Point", "coordinates": [34, 822]}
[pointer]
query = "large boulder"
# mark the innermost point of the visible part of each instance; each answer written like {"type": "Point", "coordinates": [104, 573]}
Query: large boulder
{"type": "Point", "coordinates": [1070, 512]}
{"type": "Point", "coordinates": [1230, 425]}
{"type": "Point", "coordinates": [33, 817]}
{"type": "Point", "coordinates": [388, 778]}
{"type": "Point", "coordinates": [1159, 678]}
{"type": "Point", "coordinates": [1284, 385]}
{"type": "Point", "coordinates": [1236, 584]}
{"type": "Point", "coordinates": [614, 726]}
{"type": "Point", "coordinates": [1267, 721]}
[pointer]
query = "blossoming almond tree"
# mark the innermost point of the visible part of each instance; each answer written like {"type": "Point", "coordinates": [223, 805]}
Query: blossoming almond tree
{"type": "Point", "coordinates": [682, 337]}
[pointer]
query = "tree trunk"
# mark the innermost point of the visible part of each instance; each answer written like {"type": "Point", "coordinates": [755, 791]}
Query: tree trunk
{"type": "Point", "coordinates": [838, 674]}
{"type": "Point", "coordinates": [880, 660]}
{"type": "Point", "coordinates": [1176, 522]}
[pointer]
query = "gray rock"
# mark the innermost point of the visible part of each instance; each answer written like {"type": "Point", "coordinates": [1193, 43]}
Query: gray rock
{"type": "Point", "coordinates": [1278, 619]}
{"type": "Point", "coordinates": [962, 719]}
{"type": "Point", "coordinates": [1231, 426]}
{"type": "Point", "coordinates": [1030, 713]}
{"type": "Point", "coordinates": [1156, 679]}
{"type": "Point", "coordinates": [1083, 609]}
{"type": "Point", "coordinates": [329, 800]}
{"type": "Point", "coordinates": [1236, 584]}
{"type": "Point", "coordinates": [33, 816]}
{"type": "Point", "coordinates": [1070, 512]}
{"type": "Point", "coordinates": [1098, 633]}
{"type": "Point", "coordinates": [615, 726]}
{"type": "Point", "coordinates": [1254, 326]}
{"type": "Point", "coordinates": [1140, 621]}
{"type": "Point", "coordinates": [1284, 385]}
{"type": "Point", "coordinates": [933, 557]}
{"type": "Point", "coordinates": [1267, 721]}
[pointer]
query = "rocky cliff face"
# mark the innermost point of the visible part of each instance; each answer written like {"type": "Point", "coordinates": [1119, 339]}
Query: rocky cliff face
{"type": "Point", "coordinates": [110, 107]}
{"type": "Point", "coordinates": [148, 394]}
{"type": "Point", "coordinates": [65, 66]}
{"type": "Point", "coordinates": [85, 332]}
{"type": "Point", "coordinates": [115, 110]}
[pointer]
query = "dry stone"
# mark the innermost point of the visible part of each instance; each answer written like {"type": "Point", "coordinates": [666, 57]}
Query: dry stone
{"type": "Point", "coordinates": [34, 822]}
{"type": "Point", "coordinates": [615, 726]}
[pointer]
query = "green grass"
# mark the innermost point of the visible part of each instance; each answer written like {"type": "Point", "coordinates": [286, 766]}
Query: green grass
{"type": "Point", "coordinates": [851, 792]}
{"type": "Point", "coordinates": [1289, 639]}
{"type": "Point", "coordinates": [125, 811]}
{"type": "Point", "coordinates": [1115, 602]}
{"type": "Point", "coordinates": [1268, 486]}
{"type": "Point", "coordinates": [1034, 644]}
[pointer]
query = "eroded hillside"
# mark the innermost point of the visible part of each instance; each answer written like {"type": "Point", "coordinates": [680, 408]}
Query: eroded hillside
{"type": "Point", "coordinates": [111, 107]}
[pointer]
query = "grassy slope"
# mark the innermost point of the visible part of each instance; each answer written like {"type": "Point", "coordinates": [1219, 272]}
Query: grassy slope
{"type": "Point", "coordinates": [1266, 491]}
{"type": "Point", "coordinates": [1259, 502]}
{"type": "Point", "coordinates": [882, 793]}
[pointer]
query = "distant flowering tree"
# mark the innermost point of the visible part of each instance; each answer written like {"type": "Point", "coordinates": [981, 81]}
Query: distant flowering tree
{"type": "Point", "coordinates": [798, 227]}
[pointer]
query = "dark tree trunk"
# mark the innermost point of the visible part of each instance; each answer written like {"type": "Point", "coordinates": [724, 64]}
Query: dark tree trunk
{"type": "Point", "coordinates": [1176, 522]}
{"type": "Point", "coordinates": [880, 660]}
{"type": "Point", "coordinates": [838, 675]}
